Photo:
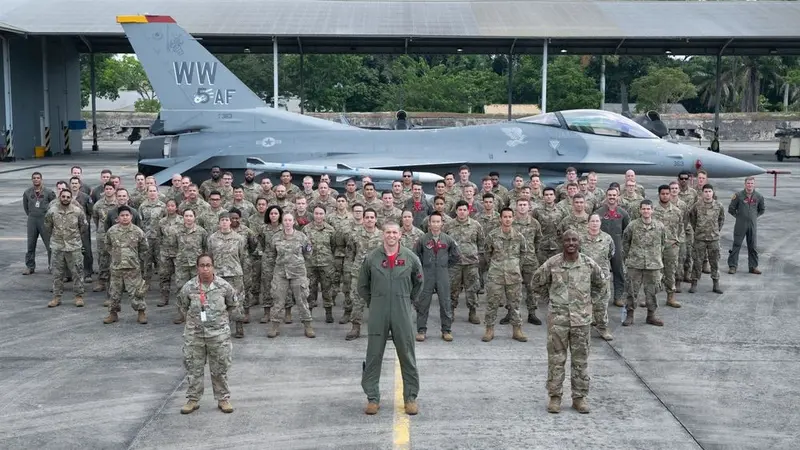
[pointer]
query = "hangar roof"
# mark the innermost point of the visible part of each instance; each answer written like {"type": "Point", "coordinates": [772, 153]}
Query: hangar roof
{"type": "Point", "coordinates": [434, 26]}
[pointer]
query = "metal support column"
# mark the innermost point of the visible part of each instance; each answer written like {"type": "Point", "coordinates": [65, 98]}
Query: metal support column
{"type": "Point", "coordinates": [510, 85]}
{"type": "Point", "coordinates": [275, 72]}
{"type": "Point", "coordinates": [543, 106]}
{"type": "Point", "coordinates": [717, 94]}
{"type": "Point", "coordinates": [93, 87]}
{"type": "Point", "coordinates": [7, 97]}
{"type": "Point", "coordinates": [46, 103]}
{"type": "Point", "coordinates": [302, 77]}
{"type": "Point", "coordinates": [602, 82]}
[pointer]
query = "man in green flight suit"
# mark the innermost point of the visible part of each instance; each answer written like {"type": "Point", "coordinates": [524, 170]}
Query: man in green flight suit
{"type": "Point", "coordinates": [389, 282]}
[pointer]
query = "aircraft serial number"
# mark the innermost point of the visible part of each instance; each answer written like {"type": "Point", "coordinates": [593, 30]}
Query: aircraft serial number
{"type": "Point", "coordinates": [677, 163]}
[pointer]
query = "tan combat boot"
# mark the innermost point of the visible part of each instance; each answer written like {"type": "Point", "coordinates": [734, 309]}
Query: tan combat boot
{"type": "Point", "coordinates": [671, 300]}
{"type": "Point", "coordinates": [473, 317]}
{"type": "Point", "coordinates": [605, 334]}
{"type": "Point", "coordinates": [628, 318]}
{"type": "Point", "coordinates": [345, 317]}
{"type": "Point", "coordinates": [54, 302]}
{"type": "Point", "coordinates": [580, 405]}
{"type": "Point", "coordinates": [447, 336]}
{"type": "Point", "coordinates": [488, 335]}
{"type": "Point", "coordinates": [190, 407]}
{"type": "Point", "coordinates": [372, 408]}
{"type": "Point", "coordinates": [111, 318]}
{"type": "Point", "coordinates": [354, 332]}
{"type": "Point", "coordinates": [274, 329]}
{"type": "Point", "coordinates": [619, 302]}
{"type": "Point", "coordinates": [141, 317]}
{"type": "Point", "coordinates": [246, 316]}
{"type": "Point", "coordinates": [265, 319]}
{"type": "Point", "coordinates": [755, 271]}
{"type": "Point", "coordinates": [554, 406]}
{"type": "Point", "coordinates": [420, 337]}
{"type": "Point", "coordinates": [225, 406]}
{"type": "Point", "coordinates": [716, 289]}
{"type": "Point", "coordinates": [411, 408]}
{"type": "Point", "coordinates": [179, 319]}
{"type": "Point", "coordinates": [288, 318]}
{"type": "Point", "coordinates": [79, 301]}
{"type": "Point", "coordinates": [653, 320]}
{"type": "Point", "coordinates": [731, 270]}
{"type": "Point", "coordinates": [309, 330]}
{"type": "Point", "coordinates": [99, 287]}
{"type": "Point", "coordinates": [328, 314]}
{"type": "Point", "coordinates": [693, 287]}
{"type": "Point", "coordinates": [517, 334]}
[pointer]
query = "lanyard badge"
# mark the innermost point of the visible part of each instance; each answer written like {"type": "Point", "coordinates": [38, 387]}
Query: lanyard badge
{"type": "Point", "coordinates": [203, 304]}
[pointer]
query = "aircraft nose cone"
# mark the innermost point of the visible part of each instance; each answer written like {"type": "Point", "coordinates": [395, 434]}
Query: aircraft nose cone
{"type": "Point", "coordinates": [723, 166]}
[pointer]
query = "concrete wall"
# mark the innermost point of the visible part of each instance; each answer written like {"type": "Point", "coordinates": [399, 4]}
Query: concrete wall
{"type": "Point", "coordinates": [63, 72]}
{"type": "Point", "coordinates": [733, 126]}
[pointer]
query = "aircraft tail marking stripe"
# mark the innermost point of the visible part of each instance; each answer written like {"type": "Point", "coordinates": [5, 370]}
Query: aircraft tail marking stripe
{"type": "Point", "coordinates": [145, 19]}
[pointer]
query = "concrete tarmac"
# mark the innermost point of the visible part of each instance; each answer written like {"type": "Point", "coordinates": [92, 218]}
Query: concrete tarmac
{"type": "Point", "coordinates": [720, 374]}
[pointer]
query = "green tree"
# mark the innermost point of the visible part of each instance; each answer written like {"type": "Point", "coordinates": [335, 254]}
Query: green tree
{"type": "Point", "coordinates": [255, 71]}
{"type": "Point", "coordinates": [149, 105]}
{"type": "Point", "coordinates": [132, 76]}
{"type": "Point", "coordinates": [570, 87]}
{"type": "Point", "coordinates": [107, 84]}
{"type": "Point", "coordinates": [662, 87]}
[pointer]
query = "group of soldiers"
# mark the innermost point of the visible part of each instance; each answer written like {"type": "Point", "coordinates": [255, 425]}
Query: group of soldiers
{"type": "Point", "coordinates": [281, 246]}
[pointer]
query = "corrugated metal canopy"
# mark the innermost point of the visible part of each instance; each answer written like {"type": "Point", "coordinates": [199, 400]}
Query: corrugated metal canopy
{"type": "Point", "coordinates": [430, 26]}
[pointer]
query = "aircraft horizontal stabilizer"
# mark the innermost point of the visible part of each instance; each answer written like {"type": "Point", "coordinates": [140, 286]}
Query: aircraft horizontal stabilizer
{"type": "Point", "coordinates": [184, 166]}
{"type": "Point", "coordinates": [340, 171]}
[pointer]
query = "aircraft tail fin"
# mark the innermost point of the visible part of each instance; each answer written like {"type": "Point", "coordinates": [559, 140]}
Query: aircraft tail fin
{"type": "Point", "coordinates": [184, 75]}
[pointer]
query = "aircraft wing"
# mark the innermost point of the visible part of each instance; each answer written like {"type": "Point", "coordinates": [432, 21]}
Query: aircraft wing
{"type": "Point", "coordinates": [184, 166]}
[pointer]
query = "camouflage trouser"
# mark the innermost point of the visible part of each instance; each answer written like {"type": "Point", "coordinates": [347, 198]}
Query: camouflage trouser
{"type": "Point", "coordinates": [670, 260]}
{"type": "Point", "coordinates": [282, 290]}
{"type": "Point", "coordinates": [130, 281]}
{"type": "Point", "coordinates": [347, 288]}
{"type": "Point", "coordinates": [237, 282]}
{"type": "Point", "coordinates": [464, 276]}
{"type": "Point", "coordinates": [321, 277]}
{"type": "Point", "coordinates": [183, 274]}
{"type": "Point", "coordinates": [561, 338]}
{"type": "Point", "coordinates": [266, 296]}
{"type": "Point", "coordinates": [483, 266]}
{"type": "Point", "coordinates": [103, 258]}
{"type": "Point", "coordinates": [218, 351]}
{"type": "Point", "coordinates": [648, 279]}
{"type": "Point", "coordinates": [151, 265]}
{"type": "Point", "coordinates": [684, 260]}
{"type": "Point", "coordinates": [166, 272]}
{"type": "Point", "coordinates": [531, 298]}
{"type": "Point", "coordinates": [338, 276]}
{"type": "Point", "coordinates": [498, 295]}
{"type": "Point", "coordinates": [254, 285]}
{"type": "Point", "coordinates": [64, 263]}
{"type": "Point", "coordinates": [606, 298]}
{"type": "Point", "coordinates": [705, 250]}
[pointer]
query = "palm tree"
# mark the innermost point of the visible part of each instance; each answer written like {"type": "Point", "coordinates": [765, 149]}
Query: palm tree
{"type": "Point", "coordinates": [743, 79]}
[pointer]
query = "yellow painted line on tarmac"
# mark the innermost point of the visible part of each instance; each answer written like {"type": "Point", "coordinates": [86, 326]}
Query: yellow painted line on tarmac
{"type": "Point", "coordinates": [401, 433]}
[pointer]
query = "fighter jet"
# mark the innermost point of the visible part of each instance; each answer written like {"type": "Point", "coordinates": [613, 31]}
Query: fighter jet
{"type": "Point", "coordinates": [210, 118]}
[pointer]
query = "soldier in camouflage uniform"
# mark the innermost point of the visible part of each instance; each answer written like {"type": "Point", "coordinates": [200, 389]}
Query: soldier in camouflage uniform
{"type": "Point", "coordinates": [489, 218]}
{"type": "Point", "coordinates": [419, 206]}
{"type": "Point", "coordinates": [175, 192]}
{"type": "Point", "coordinates": [576, 287]}
{"type": "Point", "coordinates": [440, 206]}
{"type": "Point", "coordinates": [409, 234]}
{"type": "Point", "coordinates": [500, 192]}
{"type": "Point", "coordinates": [139, 193]}
{"type": "Point", "coordinates": [228, 249]}
{"type": "Point", "coordinates": [152, 210]}
{"type": "Point", "coordinates": [324, 197]}
{"type": "Point", "coordinates": [128, 247]}
{"type": "Point", "coordinates": [571, 176]}
{"type": "Point", "coordinates": [350, 193]}
{"type": "Point", "coordinates": [191, 241]}
{"type": "Point", "coordinates": [399, 196]}
{"type": "Point", "coordinates": [468, 233]}
{"type": "Point", "coordinates": [273, 226]}
{"type": "Point", "coordinates": [630, 175]}
{"type": "Point", "coordinates": [565, 204]}
{"type": "Point", "coordinates": [577, 218]}
{"type": "Point", "coordinates": [100, 212]}
{"type": "Point", "coordinates": [66, 223]}
{"type": "Point", "coordinates": [212, 184]}
{"type": "Point", "coordinates": [207, 301]}
{"type": "Point", "coordinates": [209, 219]}
{"type": "Point", "coordinates": [673, 219]}
{"type": "Point", "coordinates": [598, 245]}
{"type": "Point", "coordinates": [684, 264]}
{"type": "Point", "coordinates": [706, 217]}
{"type": "Point", "coordinates": [549, 217]}
{"type": "Point", "coordinates": [388, 212]}
{"type": "Point", "coordinates": [531, 230]}
{"type": "Point", "coordinates": [302, 215]}
{"type": "Point", "coordinates": [630, 199]}
{"type": "Point", "coordinates": [342, 221]}
{"type": "Point", "coordinates": [193, 202]}
{"type": "Point", "coordinates": [307, 191]}
{"type": "Point", "coordinates": [321, 269]}
{"type": "Point", "coordinates": [288, 255]}
{"type": "Point", "coordinates": [166, 231]}
{"type": "Point", "coordinates": [282, 199]}
{"type": "Point", "coordinates": [292, 191]}
{"type": "Point", "coordinates": [252, 276]}
{"type": "Point", "coordinates": [245, 207]}
{"type": "Point", "coordinates": [644, 242]}
{"type": "Point", "coordinates": [85, 202]}
{"type": "Point", "coordinates": [505, 250]}
{"type": "Point", "coordinates": [440, 190]}
{"type": "Point", "coordinates": [226, 190]}
{"type": "Point", "coordinates": [359, 243]}
{"type": "Point", "coordinates": [267, 190]}
{"type": "Point", "coordinates": [252, 190]}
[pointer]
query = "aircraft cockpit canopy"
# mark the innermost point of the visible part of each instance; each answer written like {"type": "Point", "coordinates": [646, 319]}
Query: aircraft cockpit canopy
{"type": "Point", "coordinates": [591, 121]}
